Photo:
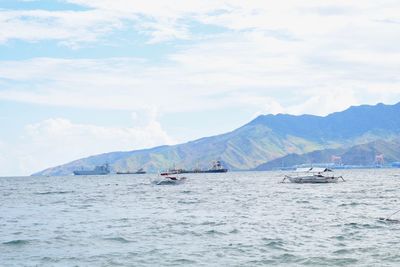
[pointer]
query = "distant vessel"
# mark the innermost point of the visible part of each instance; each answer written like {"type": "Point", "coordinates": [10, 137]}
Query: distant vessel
{"type": "Point", "coordinates": [312, 176]}
{"type": "Point", "coordinates": [140, 171]}
{"type": "Point", "coordinates": [172, 171]}
{"type": "Point", "coordinates": [170, 178]}
{"type": "Point", "coordinates": [98, 170]}
{"type": "Point", "coordinates": [216, 168]}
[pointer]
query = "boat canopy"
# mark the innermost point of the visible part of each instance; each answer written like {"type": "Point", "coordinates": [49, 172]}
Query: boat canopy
{"type": "Point", "coordinates": [313, 170]}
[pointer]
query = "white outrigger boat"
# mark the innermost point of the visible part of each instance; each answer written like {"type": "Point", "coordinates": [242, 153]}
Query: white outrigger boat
{"type": "Point", "coordinates": [312, 176]}
{"type": "Point", "coordinates": [170, 178]}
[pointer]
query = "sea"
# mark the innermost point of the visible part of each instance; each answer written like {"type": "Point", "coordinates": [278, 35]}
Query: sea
{"type": "Point", "coordinates": [231, 219]}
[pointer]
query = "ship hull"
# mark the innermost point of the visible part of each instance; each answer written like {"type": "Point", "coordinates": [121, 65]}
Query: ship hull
{"type": "Point", "coordinates": [131, 172]}
{"type": "Point", "coordinates": [216, 171]}
{"type": "Point", "coordinates": [206, 171]}
{"type": "Point", "coordinates": [90, 173]}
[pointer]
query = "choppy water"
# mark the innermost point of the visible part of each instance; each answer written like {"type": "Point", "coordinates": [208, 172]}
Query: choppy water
{"type": "Point", "coordinates": [233, 219]}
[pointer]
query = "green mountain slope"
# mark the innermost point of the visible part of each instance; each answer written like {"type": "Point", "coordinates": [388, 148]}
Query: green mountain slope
{"type": "Point", "coordinates": [263, 139]}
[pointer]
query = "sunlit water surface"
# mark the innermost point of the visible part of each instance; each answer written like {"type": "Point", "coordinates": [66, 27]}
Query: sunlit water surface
{"type": "Point", "coordinates": [233, 219]}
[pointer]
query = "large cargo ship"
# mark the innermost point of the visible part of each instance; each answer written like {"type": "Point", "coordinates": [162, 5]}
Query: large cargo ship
{"type": "Point", "coordinates": [98, 170]}
{"type": "Point", "coordinates": [140, 171]}
{"type": "Point", "coordinates": [216, 168]}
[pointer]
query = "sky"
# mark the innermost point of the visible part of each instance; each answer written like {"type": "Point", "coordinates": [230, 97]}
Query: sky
{"type": "Point", "coordinates": [82, 77]}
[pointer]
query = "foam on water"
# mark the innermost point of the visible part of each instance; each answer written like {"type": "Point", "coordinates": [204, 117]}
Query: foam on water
{"type": "Point", "coordinates": [232, 219]}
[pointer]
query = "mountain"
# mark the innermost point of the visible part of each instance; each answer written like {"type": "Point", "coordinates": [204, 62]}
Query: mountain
{"type": "Point", "coordinates": [363, 155]}
{"type": "Point", "coordinates": [266, 138]}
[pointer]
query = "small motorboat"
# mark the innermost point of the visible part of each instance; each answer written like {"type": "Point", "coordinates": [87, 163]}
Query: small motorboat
{"type": "Point", "coordinates": [170, 179]}
{"type": "Point", "coordinates": [312, 176]}
{"type": "Point", "coordinates": [170, 172]}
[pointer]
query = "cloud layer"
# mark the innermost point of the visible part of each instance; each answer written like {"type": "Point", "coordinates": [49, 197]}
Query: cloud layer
{"type": "Point", "coordinates": [289, 56]}
{"type": "Point", "coordinates": [306, 49]}
{"type": "Point", "coordinates": [56, 141]}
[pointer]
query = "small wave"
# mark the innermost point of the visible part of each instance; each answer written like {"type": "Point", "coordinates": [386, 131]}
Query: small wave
{"type": "Point", "coordinates": [214, 232]}
{"type": "Point", "coordinates": [286, 258]}
{"type": "Point", "coordinates": [274, 244]}
{"type": "Point", "coordinates": [53, 192]}
{"type": "Point", "coordinates": [188, 201]}
{"type": "Point", "coordinates": [234, 231]}
{"type": "Point", "coordinates": [18, 242]}
{"type": "Point", "coordinates": [52, 260]}
{"type": "Point", "coordinates": [339, 237]}
{"type": "Point", "coordinates": [303, 201]}
{"type": "Point", "coordinates": [118, 239]}
{"type": "Point", "coordinates": [210, 223]}
{"type": "Point", "coordinates": [263, 262]}
{"type": "Point", "coordinates": [390, 190]}
{"type": "Point", "coordinates": [353, 204]}
{"type": "Point", "coordinates": [364, 225]}
{"type": "Point", "coordinates": [184, 261]}
{"type": "Point", "coordinates": [342, 251]}
{"type": "Point", "coordinates": [82, 207]}
{"type": "Point", "coordinates": [59, 202]}
{"type": "Point", "coordinates": [329, 261]}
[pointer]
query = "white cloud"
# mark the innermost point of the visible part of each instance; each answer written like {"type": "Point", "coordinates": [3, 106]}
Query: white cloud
{"type": "Point", "coordinates": [251, 69]}
{"type": "Point", "coordinates": [57, 141]}
{"type": "Point", "coordinates": [165, 20]}
{"type": "Point", "coordinates": [327, 101]}
{"type": "Point", "coordinates": [69, 27]}
{"type": "Point", "coordinates": [268, 57]}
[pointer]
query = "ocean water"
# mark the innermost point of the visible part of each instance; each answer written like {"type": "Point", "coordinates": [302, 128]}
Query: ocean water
{"type": "Point", "coordinates": [232, 219]}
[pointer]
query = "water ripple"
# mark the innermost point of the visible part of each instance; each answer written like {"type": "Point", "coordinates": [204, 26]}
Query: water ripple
{"type": "Point", "coordinates": [233, 219]}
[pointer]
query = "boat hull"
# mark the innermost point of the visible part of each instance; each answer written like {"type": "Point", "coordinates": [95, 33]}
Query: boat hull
{"type": "Point", "coordinates": [168, 181]}
{"type": "Point", "coordinates": [217, 171]}
{"type": "Point", "coordinates": [313, 179]}
{"type": "Point", "coordinates": [205, 171]}
{"type": "Point", "coordinates": [131, 172]}
{"type": "Point", "coordinates": [90, 173]}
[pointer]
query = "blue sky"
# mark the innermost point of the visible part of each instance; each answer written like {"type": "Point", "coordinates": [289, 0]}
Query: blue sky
{"type": "Point", "coordinates": [80, 77]}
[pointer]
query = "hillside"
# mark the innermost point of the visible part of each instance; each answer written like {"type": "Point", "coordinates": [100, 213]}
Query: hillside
{"type": "Point", "coordinates": [266, 138]}
{"type": "Point", "coordinates": [357, 155]}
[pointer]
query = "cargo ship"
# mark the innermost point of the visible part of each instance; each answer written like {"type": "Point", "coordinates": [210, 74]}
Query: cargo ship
{"type": "Point", "coordinates": [98, 170]}
{"type": "Point", "coordinates": [140, 171]}
{"type": "Point", "coordinates": [216, 168]}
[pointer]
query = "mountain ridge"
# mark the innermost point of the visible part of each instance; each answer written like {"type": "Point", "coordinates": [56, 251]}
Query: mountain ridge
{"type": "Point", "coordinates": [263, 139]}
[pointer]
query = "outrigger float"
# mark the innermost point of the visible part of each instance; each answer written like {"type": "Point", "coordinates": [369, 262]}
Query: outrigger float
{"type": "Point", "coordinates": [312, 176]}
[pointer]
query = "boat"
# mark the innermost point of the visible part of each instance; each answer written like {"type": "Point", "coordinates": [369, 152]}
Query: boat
{"type": "Point", "coordinates": [170, 178]}
{"type": "Point", "coordinates": [172, 171]}
{"type": "Point", "coordinates": [312, 176]}
{"type": "Point", "coordinates": [140, 171]}
{"type": "Point", "coordinates": [98, 170]}
{"type": "Point", "coordinates": [216, 168]}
